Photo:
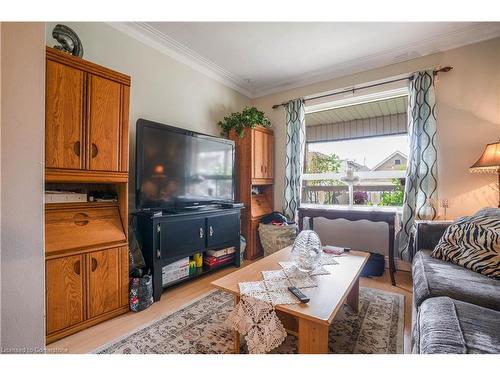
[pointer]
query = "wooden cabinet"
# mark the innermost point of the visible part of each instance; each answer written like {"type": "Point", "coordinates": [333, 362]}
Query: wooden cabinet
{"type": "Point", "coordinates": [86, 266]}
{"type": "Point", "coordinates": [262, 154]}
{"type": "Point", "coordinates": [65, 292]}
{"type": "Point", "coordinates": [269, 156]}
{"type": "Point", "coordinates": [82, 289]}
{"type": "Point", "coordinates": [255, 171]}
{"type": "Point", "coordinates": [75, 226]}
{"type": "Point", "coordinates": [64, 139]}
{"type": "Point", "coordinates": [258, 152]}
{"type": "Point", "coordinates": [86, 148]}
{"type": "Point", "coordinates": [104, 274]}
{"type": "Point", "coordinates": [86, 120]}
{"type": "Point", "coordinates": [104, 100]}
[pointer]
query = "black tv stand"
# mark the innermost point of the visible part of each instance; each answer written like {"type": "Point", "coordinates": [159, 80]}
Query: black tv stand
{"type": "Point", "coordinates": [167, 237]}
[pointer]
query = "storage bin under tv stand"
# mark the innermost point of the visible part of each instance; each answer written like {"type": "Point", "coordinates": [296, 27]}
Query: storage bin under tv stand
{"type": "Point", "coordinates": [171, 236]}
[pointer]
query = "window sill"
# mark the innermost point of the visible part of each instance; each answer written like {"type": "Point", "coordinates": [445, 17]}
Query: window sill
{"type": "Point", "coordinates": [396, 209]}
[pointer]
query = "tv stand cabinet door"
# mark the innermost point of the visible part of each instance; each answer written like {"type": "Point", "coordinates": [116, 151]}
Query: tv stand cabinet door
{"type": "Point", "coordinates": [223, 230]}
{"type": "Point", "coordinates": [182, 236]}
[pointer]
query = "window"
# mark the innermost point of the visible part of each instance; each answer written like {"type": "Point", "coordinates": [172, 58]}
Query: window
{"type": "Point", "coordinates": [357, 153]}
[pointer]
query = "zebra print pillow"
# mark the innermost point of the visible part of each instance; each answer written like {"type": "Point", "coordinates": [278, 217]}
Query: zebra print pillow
{"type": "Point", "coordinates": [473, 242]}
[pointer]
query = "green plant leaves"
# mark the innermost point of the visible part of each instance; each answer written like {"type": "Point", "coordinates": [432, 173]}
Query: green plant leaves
{"type": "Point", "coordinates": [250, 117]}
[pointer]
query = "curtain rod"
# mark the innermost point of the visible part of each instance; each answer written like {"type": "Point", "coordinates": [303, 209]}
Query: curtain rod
{"type": "Point", "coordinates": [436, 71]}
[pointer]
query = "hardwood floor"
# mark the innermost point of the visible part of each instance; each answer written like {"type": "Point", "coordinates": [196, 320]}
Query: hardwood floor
{"type": "Point", "coordinates": [174, 298]}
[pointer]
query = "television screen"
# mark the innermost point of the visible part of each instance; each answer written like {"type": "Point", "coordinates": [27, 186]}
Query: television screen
{"type": "Point", "coordinates": [179, 168]}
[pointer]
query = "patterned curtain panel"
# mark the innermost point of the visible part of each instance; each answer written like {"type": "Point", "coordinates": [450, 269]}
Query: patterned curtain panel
{"type": "Point", "coordinates": [421, 175]}
{"type": "Point", "coordinates": [294, 160]}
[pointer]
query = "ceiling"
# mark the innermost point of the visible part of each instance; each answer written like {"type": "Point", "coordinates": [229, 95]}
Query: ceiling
{"type": "Point", "coordinates": [377, 108]}
{"type": "Point", "coordinates": [258, 58]}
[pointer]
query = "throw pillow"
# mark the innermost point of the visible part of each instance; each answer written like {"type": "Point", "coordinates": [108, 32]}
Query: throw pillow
{"type": "Point", "coordinates": [473, 242]}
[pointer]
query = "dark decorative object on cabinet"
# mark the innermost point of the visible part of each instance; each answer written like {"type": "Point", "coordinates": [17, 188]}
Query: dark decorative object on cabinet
{"type": "Point", "coordinates": [68, 40]}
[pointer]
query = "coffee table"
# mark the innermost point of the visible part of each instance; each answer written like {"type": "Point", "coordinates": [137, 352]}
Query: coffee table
{"type": "Point", "coordinates": [309, 322]}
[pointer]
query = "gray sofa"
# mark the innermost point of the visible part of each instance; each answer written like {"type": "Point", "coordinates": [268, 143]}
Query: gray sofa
{"type": "Point", "coordinates": [455, 310]}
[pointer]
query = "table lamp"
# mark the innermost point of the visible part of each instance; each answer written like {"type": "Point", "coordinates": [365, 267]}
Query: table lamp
{"type": "Point", "coordinates": [489, 162]}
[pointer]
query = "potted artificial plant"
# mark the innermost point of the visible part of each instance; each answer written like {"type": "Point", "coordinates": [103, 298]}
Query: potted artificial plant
{"type": "Point", "coordinates": [250, 118]}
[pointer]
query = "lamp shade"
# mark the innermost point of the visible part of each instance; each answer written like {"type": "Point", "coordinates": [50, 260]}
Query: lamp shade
{"type": "Point", "coordinates": [489, 162]}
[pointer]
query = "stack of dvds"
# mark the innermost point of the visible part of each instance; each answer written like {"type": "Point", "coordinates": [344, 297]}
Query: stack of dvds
{"type": "Point", "coordinates": [216, 258]}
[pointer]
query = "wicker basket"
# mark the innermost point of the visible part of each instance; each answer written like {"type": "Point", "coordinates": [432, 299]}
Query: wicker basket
{"type": "Point", "coordinates": [274, 238]}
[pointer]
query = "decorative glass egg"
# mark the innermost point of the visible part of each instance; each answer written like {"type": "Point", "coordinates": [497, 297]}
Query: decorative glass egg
{"type": "Point", "coordinates": [306, 251]}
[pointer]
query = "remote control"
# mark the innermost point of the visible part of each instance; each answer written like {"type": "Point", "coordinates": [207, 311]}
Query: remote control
{"type": "Point", "coordinates": [297, 293]}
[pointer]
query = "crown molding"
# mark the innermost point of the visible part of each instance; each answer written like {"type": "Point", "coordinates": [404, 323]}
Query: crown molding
{"type": "Point", "coordinates": [153, 38]}
{"type": "Point", "coordinates": [150, 36]}
{"type": "Point", "coordinates": [469, 35]}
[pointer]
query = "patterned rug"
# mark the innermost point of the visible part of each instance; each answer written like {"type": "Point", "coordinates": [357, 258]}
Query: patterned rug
{"type": "Point", "coordinates": [200, 328]}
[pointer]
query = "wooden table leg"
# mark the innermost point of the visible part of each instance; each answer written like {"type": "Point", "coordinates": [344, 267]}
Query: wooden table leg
{"type": "Point", "coordinates": [235, 332]}
{"type": "Point", "coordinates": [313, 337]}
{"type": "Point", "coordinates": [392, 267]}
{"type": "Point", "coordinates": [353, 297]}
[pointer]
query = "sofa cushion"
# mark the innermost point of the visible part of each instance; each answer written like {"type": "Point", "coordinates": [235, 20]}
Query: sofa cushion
{"type": "Point", "coordinates": [448, 326]}
{"type": "Point", "coordinates": [473, 242]}
{"type": "Point", "coordinates": [435, 278]}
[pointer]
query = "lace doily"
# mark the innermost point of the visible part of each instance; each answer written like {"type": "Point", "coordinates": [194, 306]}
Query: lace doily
{"type": "Point", "coordinates": [257, 320]}
{"type": "Point", "coordinates": [327, 259]}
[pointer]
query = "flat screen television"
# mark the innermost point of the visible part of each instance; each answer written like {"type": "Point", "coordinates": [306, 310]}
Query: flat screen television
{"type": "Point", "coordinates": [178, 168]}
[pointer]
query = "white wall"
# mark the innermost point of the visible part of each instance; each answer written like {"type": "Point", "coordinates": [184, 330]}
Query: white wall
{"type": "Point", "coordinates": [22, 140]}
{"type": "Point", "coordinates": [468, 117]}
{"type": "Point", "coordinates": [162, 90]}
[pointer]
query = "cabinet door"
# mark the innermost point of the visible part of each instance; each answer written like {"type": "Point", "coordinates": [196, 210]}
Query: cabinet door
{"type": "Point", "coordinates": [269, 164]}
{"type": "Point", "coordinates": [104, 283]}
{"type": "Point", "coordinates": [104, 116]}
{"type": "Point", "coordinates": [180, 237]}
{"type": "Point", "coordinates": [64, 141]}
{"type": "Point", "coordinates": [64, 292]}
{"type": "Point", "coordinates": [223, 230]}
{"type": "Point", "coordinates": [254, 248]}
{"type": "Point", "coordinates": [259, 149]}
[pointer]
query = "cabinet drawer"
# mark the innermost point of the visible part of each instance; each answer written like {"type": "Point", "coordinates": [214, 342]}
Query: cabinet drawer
{"type": "Point", "coordinates": [81, 227]}
{"type": "Point", "coordinates": [260, 206]}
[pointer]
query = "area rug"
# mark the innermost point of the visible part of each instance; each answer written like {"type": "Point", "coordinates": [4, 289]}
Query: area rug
{"type": "Point", "coordinates": [200, 328]}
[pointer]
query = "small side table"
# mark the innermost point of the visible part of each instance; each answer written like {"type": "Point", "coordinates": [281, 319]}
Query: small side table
{"type": "Point", "coordinates": [375, 214]}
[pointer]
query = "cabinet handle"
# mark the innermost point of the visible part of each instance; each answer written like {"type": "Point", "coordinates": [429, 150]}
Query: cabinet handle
{"type": "Point", "coordinates": [81, 219]}
{"type": "Point", "coordinates": [201, 232]}
{"type": "Point", "coordinates": [94, 264]}
{"type": "Point", "coordinates": [76, 148]}
{"type": "Point", "coordinates": [211, 231]}
{"type": "Point", "coordinates": [261, 169]}
{"type": "Point", "coordinates": [265, 169]}
{"type": "Point", "coordinates": [76, 267]}
{"type": "Point", "coordinates": [95, 150]}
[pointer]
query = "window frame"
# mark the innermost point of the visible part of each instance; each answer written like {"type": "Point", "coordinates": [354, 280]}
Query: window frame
{"type": "Point", "coordinates": [363, 175]}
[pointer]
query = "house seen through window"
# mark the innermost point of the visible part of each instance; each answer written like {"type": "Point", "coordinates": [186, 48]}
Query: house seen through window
{"type": "Point", "coordinates": [357, 154]}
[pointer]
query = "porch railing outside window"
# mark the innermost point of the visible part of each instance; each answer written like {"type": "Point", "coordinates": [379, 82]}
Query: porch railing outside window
{"type": "Point", "coordinates": [382, 188]}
